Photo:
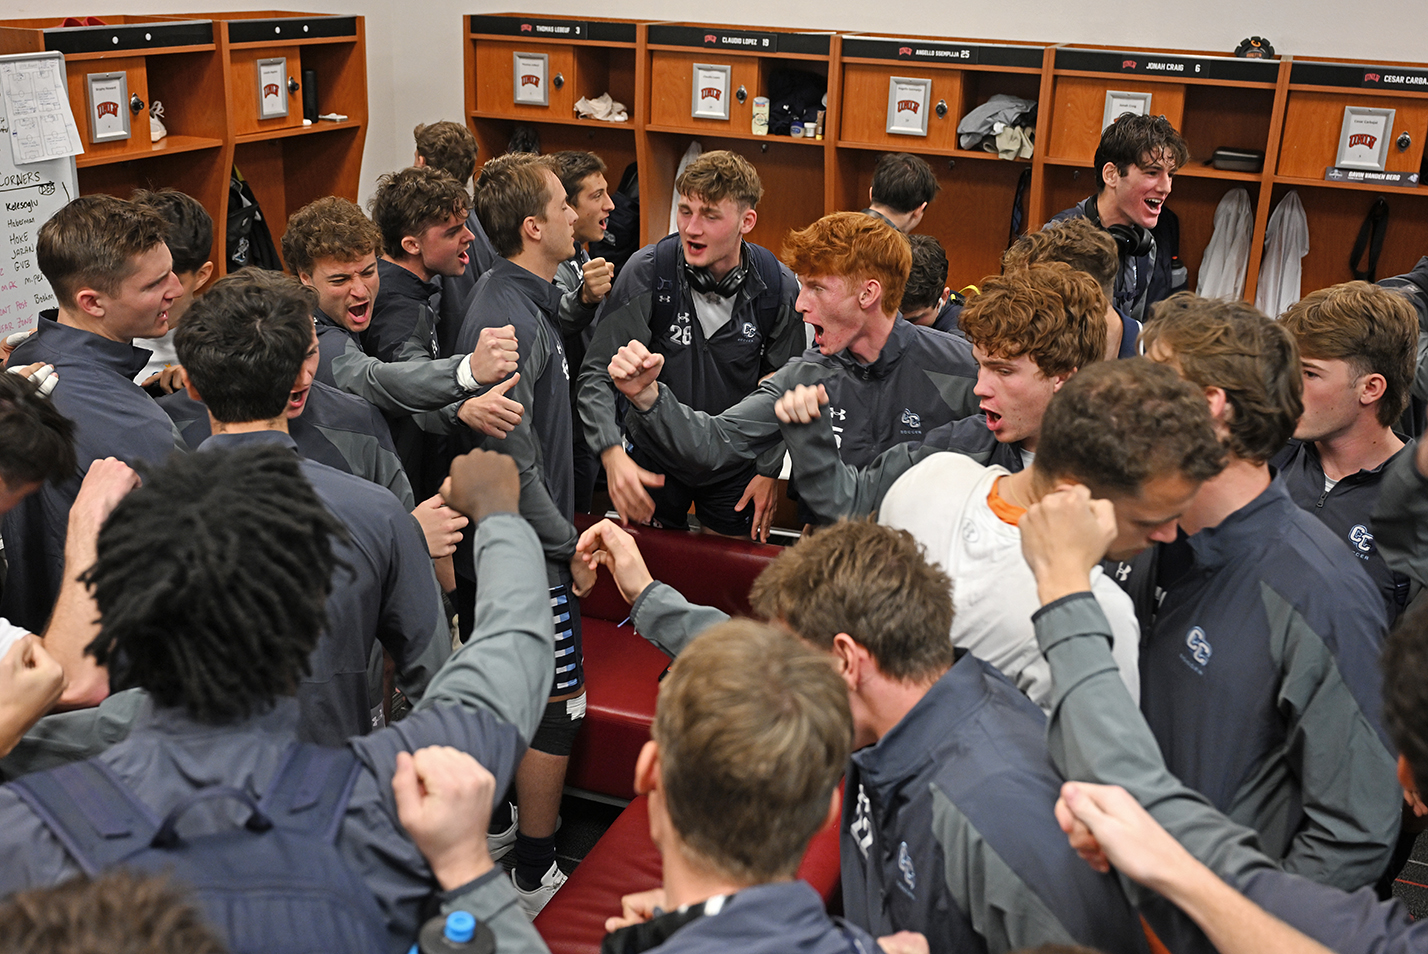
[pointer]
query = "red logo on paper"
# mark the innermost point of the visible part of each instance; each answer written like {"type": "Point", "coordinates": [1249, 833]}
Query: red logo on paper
{"type": "Point", "coordinates": [1127, 64]}
{"type": "Point", "coordinates": [530, 79]}
{"type": "Point", "coordinates": [107, 109]}
{"type": "Point", "coordinates": [270, 90]}
{"type": "Point", "coordinates": [904, 51]}
{"type": "Point", "coordinates": [907, 105]}
{"type": "Point", "coordinates": [711, 92]}
{"type": "Point", "coordinates": [710, 38]}
{"type": "Point", "coordinates": [1371, 77]}
{"type": "Point", "coordinates": [525, 28]}
{"type": "Point", "coordinates": [1362, 139]}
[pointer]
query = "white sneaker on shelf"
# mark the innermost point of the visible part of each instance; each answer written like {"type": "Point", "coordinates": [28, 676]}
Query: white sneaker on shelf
{"type": "Point", "coordinates": [533, 901]}
{"type": "Point", "coordinates": [156, 124]}
{"type": "Point", "coordinates": [499, 844]}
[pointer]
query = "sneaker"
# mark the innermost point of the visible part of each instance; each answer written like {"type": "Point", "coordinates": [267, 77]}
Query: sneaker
{"type": "Point", "coordinates": [499, 844]}
{"type": "Point", "coordinates": [533, 901]}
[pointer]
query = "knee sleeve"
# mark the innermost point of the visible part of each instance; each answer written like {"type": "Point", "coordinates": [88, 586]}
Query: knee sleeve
{"type": "Point", "coordinates": [559, 726]}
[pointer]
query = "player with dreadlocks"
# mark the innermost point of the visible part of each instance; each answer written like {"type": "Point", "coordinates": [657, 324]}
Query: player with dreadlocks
{"type": "Point", "coordinates": [212, 585]}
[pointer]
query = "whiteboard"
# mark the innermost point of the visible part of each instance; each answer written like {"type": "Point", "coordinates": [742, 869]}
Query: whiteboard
{"type": "Point", "coordinates": [29, 195]}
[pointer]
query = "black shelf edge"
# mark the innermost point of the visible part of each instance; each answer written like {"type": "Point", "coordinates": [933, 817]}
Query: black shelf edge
{"type": "Point", "coordinates": [942, 51]}
{"type": "Point", "coordinates": [291, 28]}
{"type": "Point", "coordinates": [128, 36]}
{"type": "Point", "coordinates": [748, 41]}
{"type": "Point", "coordinates": [1176, 65]}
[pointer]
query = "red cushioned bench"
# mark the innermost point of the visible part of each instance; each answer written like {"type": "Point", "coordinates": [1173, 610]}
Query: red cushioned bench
{"type": "Point", "coordinates": [622, 673]}
{"type": "Point", "coordinates": [622, 670]}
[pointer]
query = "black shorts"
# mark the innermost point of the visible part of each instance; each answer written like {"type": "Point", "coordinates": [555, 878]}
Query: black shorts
{"type": "Point", "coordinates": [714, 502]}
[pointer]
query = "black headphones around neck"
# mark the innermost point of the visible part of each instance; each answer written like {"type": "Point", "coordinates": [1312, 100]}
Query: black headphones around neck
{"type": "Point", "coordinates": [702, 281]}
{"type": "Point", "coordinates": [1132, 240]}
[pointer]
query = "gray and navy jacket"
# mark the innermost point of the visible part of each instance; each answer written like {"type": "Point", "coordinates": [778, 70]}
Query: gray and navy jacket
{"type": "Point", "coordinates": [1346, 509]}
{"type": "Point", "coordinates": [384, 590]}
{"type": "Point", "coordinates": [922, 379]}
{"type": "Point", "coordinates": [775, 918]}
{"type": "Point", "coordinates": [706, 375]}
{"type": "Point", "coordinates": [335, 428]}
{"type": "Point", "coordinates": [1142, 280]}
{"type": "Point", "coordinates": [1260, 680]}
{"type": "Point", "coordinates": [404, 387]}
{"type": "Point", "coordinates": [834, 488]}
{"type": "Point", "coordinates": [1401, 518]}
{"type": "Point", "coordinates": [947, 821]}
{"type": "Point", "coordinates": [1096, 735]}
{"type": "Point", "coordinates": [113, 417]}
{"type": "Point", "coordinates": [487, 700]}
{"type": "Point", "coordinates": [456, 289]}
{"type": "Point", "coordinates": [541, 443]}
{"type": "Point", "coordinates": [403, 325]}
{"type": "Point", "coordinates": [968, 766]}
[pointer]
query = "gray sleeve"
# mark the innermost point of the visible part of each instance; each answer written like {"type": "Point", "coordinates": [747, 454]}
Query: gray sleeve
{"type": "Point", "coordinates": [833, 489]}
{"type": "Point", "coordinates": [1097, 734]}
{"type": "Point", "coordinates": [573, 315]}
{"type": "Point", "coordinates": [491, 899]}
{"type": "Point", "coordinates": [504, 667]}
{"type": "Point", "coordinates": [620, 321]}
{"type": "Point", "coordinates": [412, 625]}
{"type": "Point", "coordinates": [1347, 780]}
{"type": "Point", "coordinates": [557, 534]}
{"type": "Point", "coordinates": [1007, 913]}
{"type": "Point", "coordinates": [670, 622]}
{"type": "Point", "coordinates": [73, 736]}
{"type": "Point", "coordinates": [1400, 519]}
{"type": "Point", "coordinates": [705, 442]}
{"type": "Point", "coordinates": [405, 387]}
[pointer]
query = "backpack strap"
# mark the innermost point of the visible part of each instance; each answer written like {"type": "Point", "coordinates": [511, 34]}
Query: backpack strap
{"type": "Point", "coordinates": [666, 283]}
{"type": "Point", "coordinates": [767, 304]}
{"type": "Point", "coordinates": [93, 814]}
{"type": "Point", "coordinates": [309, 793]}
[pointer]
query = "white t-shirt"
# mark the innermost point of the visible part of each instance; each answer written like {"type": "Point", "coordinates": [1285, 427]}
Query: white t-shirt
{"type": "Point", "coordinates": [10, 634]}
{"type": "Point", "coordinates": [942, 502]}
{"type": "Point", "coordinates": [163, 354]}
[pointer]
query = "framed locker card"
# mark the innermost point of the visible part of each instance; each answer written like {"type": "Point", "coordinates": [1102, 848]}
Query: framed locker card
{"type": "Point", "coordinates": [273, 88]}
{"type": "Point", "coordinates": [710, 94]}
{"type": "Point", "coordinates": [529, 78]}
{"type": "Point", "coordinates": [108, 106]}
{"type": "Point", "coordinates": [907, 105]}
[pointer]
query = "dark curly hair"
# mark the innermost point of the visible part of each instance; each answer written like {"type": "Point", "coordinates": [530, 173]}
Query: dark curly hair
{"type": "Point", "coordinates": [1118, 424]}
{"type": "Point", "coordinates": [212, 581]}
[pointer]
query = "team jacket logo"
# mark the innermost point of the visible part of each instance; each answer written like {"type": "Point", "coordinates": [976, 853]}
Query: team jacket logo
{"type": "Point", "coordinates": [530, 79]}
{"type": "Point", "coordinates": [1363, 139]}
{"type": "Point", "coordinates": [681, 332]}
{"type": "Point", "coordinates": [749, 330]}
{"type": "Point", "coordinates": [904, 864]}
{"type": "Point", "coordinates": [904, 51]}
{"type": "Point", "coordinates": [911, 418]}
{"type": "Point", "coordinates": [1361, 538]}
{"type": "Point", "coordinates": [108, 109]}
{"type": "Point", "coordinates": [1127, 64]}
{"type": "Point", "coordinates": [710, 92]}
{"type": "Point", "coordinates": [907, 105]}
{"type": "Point", "coordinates": [1198, 645]}
{"type": "Point", "coordinates": [270, 90]}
